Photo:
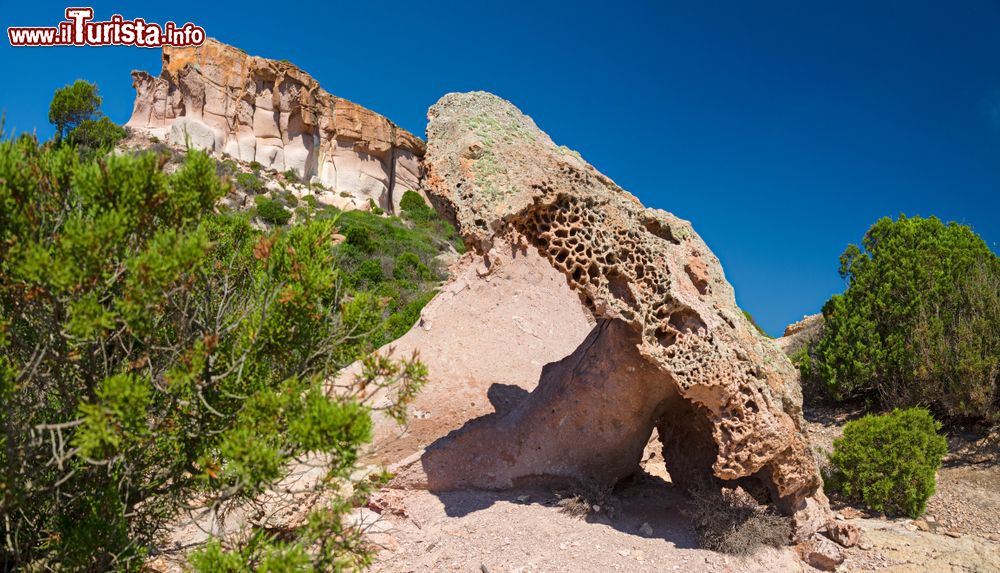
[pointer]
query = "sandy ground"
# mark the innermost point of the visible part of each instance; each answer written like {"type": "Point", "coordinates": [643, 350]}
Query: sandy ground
{"type": "Point", "coordinates": [526, 531]}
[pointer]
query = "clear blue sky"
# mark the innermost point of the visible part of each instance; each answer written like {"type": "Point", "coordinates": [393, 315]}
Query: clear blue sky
{"type": "Point", "coordinates": [782, 130]}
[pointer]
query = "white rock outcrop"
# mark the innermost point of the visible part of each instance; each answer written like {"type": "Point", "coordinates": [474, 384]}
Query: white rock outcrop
{"type": "Point", "coordinates": [217, 97]}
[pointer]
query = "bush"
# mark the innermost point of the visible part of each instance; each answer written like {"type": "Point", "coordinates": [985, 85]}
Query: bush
{"type": "Point", "coordinates": [369, 273]}
{"type": "Point", "coordinates": [97, 134]}
{"type": "Point", "coordinates": [360, 238]}
{"type": "Point", "coordinates": [255, 166]}
{"type": "Point", "coordinates": [249, 183]}
{"type": "Point", "coordinates": [155, 357]}
{"type": "Point", "coordinates": [72, 105]}
{"type": "Point", "coordinates": [888, 462]}
{"type": "Point", "coordinates": [272, 211]}
{"type": "Point", "coordinates": [412, 201]}
{"type": "Point", "coordinates": [409, 267]}
{"type": "Point", "coordinates": [919, 323]}
{"type": "Point", "coordinates": [291, 176]}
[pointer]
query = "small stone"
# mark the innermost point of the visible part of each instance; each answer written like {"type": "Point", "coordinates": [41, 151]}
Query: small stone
{"type": "Point", "coordinates": [821, 553]}
{"type": "Point", "coordinates": [646, 529]}
{"type": "Point", "coordinates": [953, 533]}
{"type": "Point", "coordinates": [921, 524]}
{"type": "Point", "coordinates": [623, 552]}
{"type": "Point", "coordinates": [596, 508]}
{"type": "Point", "coordinates": [844, 534]}
{"type": "Point", "coordinates": [523, 498]}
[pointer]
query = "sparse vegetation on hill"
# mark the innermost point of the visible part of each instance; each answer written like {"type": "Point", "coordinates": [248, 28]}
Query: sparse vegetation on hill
{"type": "Point", "coordinates": [919, 323]}
{"type": "Point", "coordinates": [154, 355]}
{"type": "Point", "coordinates": [272, 211]}
{"type": "Point", "coordinates": [888, 462]}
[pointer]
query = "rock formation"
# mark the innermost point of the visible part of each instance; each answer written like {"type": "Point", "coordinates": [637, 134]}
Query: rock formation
{"type": "Point", "coordinates": [254, 109]}
{"type": "Point", "coordinates": [803, 333]}
{"type": "Point", "coordinates": [670, 348]}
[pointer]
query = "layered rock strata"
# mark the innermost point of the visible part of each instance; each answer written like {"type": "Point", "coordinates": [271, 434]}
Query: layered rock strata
{"type": "Point", "coordinates": [671, 349]}
{"type": "Point", "coordinates": [219, 98]}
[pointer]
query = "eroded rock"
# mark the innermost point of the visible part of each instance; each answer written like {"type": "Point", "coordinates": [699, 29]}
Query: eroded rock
{"type": "Point", "coordinates": [821, 553]}
{"type": "Point", "coordinates": [845, 534]}
{"type": "Point", "coordinates": [671, 348]}
{"type": "Point", "coordinates": [255, 109]}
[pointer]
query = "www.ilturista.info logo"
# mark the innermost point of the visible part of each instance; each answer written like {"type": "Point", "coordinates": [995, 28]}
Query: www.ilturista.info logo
{"type": "Point", "coordinates": [79, 30]}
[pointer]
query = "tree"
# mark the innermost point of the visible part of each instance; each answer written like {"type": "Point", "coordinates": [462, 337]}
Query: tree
{"type": "Point", "coordinates": [72, 105]}
{"type": "Point", "coordinates": [917, 324]}
{"type": "Point", "coordinates": [154, 355]}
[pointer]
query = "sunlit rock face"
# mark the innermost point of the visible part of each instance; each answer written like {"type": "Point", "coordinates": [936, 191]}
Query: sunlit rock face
{"type": "Point", "coordinates": [671, 348]}
{"type": "Point", "coordinates": [219, 98]}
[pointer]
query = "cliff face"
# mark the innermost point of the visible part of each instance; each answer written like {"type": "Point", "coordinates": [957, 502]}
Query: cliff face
{"type": "Point", "coordinates": [255, 109]}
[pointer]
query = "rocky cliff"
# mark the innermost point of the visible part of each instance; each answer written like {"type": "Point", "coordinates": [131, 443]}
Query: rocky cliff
{"type": "Point", "coordinates": [255, 109]}
{"type": "Point", "coordinates": [670, 349]}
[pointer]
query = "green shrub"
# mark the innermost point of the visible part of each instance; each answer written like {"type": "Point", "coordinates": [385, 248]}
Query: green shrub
{"type": "Point", "coordinates": [369, 273]}
{"type": "Point", "coordinates": [291, 176]}
{"type": "Point", "coordinates": [249, 183]}
{"type": "Point", "coordinates": [272, 211]}
{"type": "Point", "coordinates": [97, 134]}
{"type": "Point", "coordinates": [888, 462]}
{"type": "Point", "coordinates": [414, 208]}
{"type": "Point", "coordinates": [409, 266]}
{"type": "Point", "coordinates": [154, 355]}
{"type": "Point", "coordinates": [412, 201]}
{"type": "Point", "coordinates": [361, 238]}
{"type": "Point", "coordinates": [919, 323]}
{"type": "Point", "coordinates": [255, 166]}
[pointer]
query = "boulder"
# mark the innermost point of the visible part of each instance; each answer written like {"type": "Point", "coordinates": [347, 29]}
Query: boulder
{"type": "Point", "coordinates": [270, 111]}
{"type": "Point", "coordinates": [186, 131]}
{"type": "Point", "coordinates": [802, 334]}
{"type": "Point", "coordinates": [670, 348]}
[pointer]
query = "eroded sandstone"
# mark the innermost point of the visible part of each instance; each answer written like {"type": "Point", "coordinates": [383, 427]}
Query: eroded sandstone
{"type": "Point", "coordinates": [219, 98]}
{"type": "Point", "coordinates": [671, 348]}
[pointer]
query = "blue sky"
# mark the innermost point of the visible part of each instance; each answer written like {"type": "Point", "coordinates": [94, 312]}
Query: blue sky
{"type": "Point", "coordinates": [782, 130]}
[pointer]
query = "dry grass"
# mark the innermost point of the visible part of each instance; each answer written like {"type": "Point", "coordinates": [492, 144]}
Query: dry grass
{"type": "Point", "coordinates": [583, 501]}
{"type": "Point", "coordinates": [731, 521]}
